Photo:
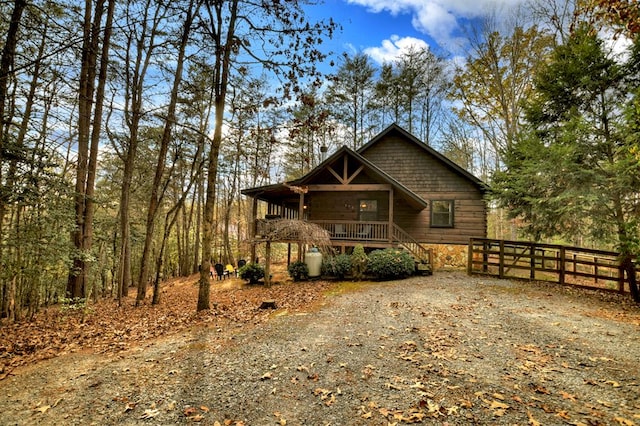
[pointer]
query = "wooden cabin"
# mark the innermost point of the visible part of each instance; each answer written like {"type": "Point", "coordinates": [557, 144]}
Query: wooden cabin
{"type": "Point", "coordinates": [394, 191]}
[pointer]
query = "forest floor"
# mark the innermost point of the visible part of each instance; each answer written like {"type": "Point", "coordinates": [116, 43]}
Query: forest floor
{"type": "Point", "coordinates": [448, 349]}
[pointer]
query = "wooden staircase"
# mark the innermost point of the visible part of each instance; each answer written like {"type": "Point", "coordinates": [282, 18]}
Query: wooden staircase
{"type": "Point", "coordinates": [421, 253]}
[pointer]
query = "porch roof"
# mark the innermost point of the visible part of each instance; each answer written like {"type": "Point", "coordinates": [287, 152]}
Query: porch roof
{"type": "Point", "coordinates": [288, 191]}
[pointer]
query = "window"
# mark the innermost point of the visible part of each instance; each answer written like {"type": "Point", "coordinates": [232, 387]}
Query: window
{"type": "Point", "coordinates": [368, 210]}
{"type": "Point", "coordinates": [442, 213]}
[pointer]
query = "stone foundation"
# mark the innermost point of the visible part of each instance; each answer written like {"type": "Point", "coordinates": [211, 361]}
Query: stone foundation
{"type": "Point", "coordinates": [448, 256]}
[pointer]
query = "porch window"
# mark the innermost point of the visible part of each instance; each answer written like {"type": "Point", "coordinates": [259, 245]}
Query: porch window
{"type": "Point", "coordinates": [442, 213]}
{"type": "Point", "coordinates": [368, 210]}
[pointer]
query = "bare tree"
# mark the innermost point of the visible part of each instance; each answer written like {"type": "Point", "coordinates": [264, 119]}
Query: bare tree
{"type": "Point", "coordinates": [496, 78]}
{"type": "Point", "coordinates": [273, 34]}
{"type": "Point", "coordinates": [158, 188]}
{"type": "Point", "coordinates": [141, 33]}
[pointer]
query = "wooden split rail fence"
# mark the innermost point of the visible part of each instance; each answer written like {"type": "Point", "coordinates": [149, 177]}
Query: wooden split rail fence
{"type": "Point", "coordinates": [581, 267]}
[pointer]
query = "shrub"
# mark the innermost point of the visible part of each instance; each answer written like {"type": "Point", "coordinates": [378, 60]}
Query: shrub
{"type": "Point", "coordinates": [251, 272]}
{"type": "Point", "coordinates": [390, 264]}
{"type": "Point", "coordinates": [359, 262]}
{"type": "Point", "coordinates": [299, 271]}
{"type": "Point", "coordinates": [337, 266]}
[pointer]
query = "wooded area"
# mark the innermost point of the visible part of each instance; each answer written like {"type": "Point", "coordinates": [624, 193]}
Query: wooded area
{"type": "Point", "coordinates": [128, 129]}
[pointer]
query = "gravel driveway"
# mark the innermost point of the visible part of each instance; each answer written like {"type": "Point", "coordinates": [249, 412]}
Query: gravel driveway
{"type": "Point", "coordinates": [447, 349]}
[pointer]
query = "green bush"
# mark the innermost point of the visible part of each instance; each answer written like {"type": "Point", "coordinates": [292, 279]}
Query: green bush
{"type": "Point", "coordinates": [390, 264]}
{"type": "Point", "coordinates": [337, 266]}
{"type": "Point", "coordinates": [251, 272]}
{"type": "Point", "coordinates": [299, 271]}
{"type": "Point", "coordinates": [359, 262]}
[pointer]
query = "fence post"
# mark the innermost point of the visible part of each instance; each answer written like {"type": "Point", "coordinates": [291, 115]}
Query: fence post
{"type": "Point", "coordinates": [562, 265]}
{"type": "Point", "coordinates": [532, 261]}
{"type": "Point", "coordinates": [595, 268]}
{"type": "Point", "coordinates": [620, 278]}
{"type": "Point", "coordinates": [501, 260]}
{"type": "Point", "coordinates": [470, 257]}
{"type": "Point", "coordinates": [485, 257]}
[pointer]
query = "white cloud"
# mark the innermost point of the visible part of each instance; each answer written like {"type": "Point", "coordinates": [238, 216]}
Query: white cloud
{"type": "Point", "coordinates": [439, 18]}
{"type": "Point", "coordinates": [394, 47]}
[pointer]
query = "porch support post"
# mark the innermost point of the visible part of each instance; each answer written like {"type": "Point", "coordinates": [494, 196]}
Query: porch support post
{"type": "Point", "coordinates": [301, 207]}
{"type": "Point", "coordinates": [300, 217]}
{"type": "Point", "coordinates": [253, 229]}
{"type": "Point", "coordinates": [390, 236]}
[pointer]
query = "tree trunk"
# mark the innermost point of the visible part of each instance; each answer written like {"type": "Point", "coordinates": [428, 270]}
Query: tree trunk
{"type": "Point", "coordinates": [6, 66]}
{"type": "Point", "coordinates": [221, 78]}
{"type": "Point", "coordinates": [267, 265]}
{"type": "Point", "coordinates": [135, 78]}
{"type": "Point", "coordinates": [87, 143]}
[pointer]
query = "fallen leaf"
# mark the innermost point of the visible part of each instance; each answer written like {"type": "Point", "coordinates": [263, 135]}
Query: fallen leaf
{"type": "Point", "coordinates": [149, 414]}
{"type": "Point", "coordinates": [367, 415]}
{"type": "Point", "coordinates": [532, 421]}
{"type": "Point", "coordinates": [465, 403]}
{"type": "Point", "coordinates": [605, 403]}
{"type": "Point", "coordinates": [190, 411]}
{"type": "Point", "coordinates": [196, 418]}
{"type": "Point", "coordinates": [541, 389]}
{"type": "Point", "coordinates": [433, 407]}
{"type": "Point", "coordinates": [43, 409]}
{"type": "Point", "coordinates": [566, 395]}
{"type": "Point", "coordinates": [330, 401]}
{"type": "Point", "coordinates": [267, 376]}
{"type": "Point", "coordinates": [498, 405]}
{"type": "Point", "coordinates": [624, 422]}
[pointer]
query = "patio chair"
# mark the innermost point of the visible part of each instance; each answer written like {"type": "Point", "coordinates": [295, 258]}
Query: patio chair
{"type": "Point", "coordinates": [220, 271]}
{"type": "Point", "coordinates": [338, 231]}
{"type": "Point", "coordinates": [230, 270]}
{"type": "Point", "coordinates": [365, 231]}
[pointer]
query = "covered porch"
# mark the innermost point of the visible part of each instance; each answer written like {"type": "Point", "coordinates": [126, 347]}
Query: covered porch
{"type": "Point", "coordinates": [346, 195]}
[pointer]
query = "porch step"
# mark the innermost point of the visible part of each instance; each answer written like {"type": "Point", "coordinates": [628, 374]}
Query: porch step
{"type": "Point", "coordinates": [421, 253]}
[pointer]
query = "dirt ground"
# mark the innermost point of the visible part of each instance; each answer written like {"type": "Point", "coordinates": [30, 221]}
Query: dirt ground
{"type": "Point", "coordinates": [445, 350]}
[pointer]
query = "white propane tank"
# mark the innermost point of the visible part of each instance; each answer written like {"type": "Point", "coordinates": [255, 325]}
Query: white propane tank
{"type": "Point", "coordinates": [313, 259]}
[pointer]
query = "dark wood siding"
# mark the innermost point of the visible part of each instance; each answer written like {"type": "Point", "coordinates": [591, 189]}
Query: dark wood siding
{"type": "Point", "coordinates": [430, 178]}
{"type": "Point", "coordinates": [344, 205]}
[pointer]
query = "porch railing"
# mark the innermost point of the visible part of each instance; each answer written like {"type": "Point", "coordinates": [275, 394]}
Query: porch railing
{"type": "Point", "coordinates": [365, 232]}
{"type": "Point", "coordinates": [355, 231]}
{"type": "Point", "coordinates": [419, 251]}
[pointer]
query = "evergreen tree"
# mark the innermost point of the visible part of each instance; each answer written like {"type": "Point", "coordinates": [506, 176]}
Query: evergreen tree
{"type": "Point", "coordinates": [351, 91]}
{"type": "Point", "coordinates": [575, 169]}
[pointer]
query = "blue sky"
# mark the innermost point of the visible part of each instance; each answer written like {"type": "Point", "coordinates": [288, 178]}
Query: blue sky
{"type": "Point", "coordinates": [384, 28]}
